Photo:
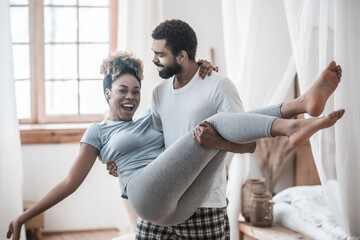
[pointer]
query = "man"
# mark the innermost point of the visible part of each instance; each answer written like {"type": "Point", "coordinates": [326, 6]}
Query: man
{"type": "Point", "coordinates": [183, 100]}
{"type": "Point", "coordinates": [179, 103]}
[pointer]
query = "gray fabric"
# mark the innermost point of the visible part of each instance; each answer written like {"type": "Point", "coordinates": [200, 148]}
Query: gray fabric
{"type": "Point", "coordinates": [170, 189]}
{"type": "Point", "coordinates": [274, 111]}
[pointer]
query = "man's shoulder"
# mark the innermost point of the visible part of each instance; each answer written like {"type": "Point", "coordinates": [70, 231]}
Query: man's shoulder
{"type": "Point", "coordinates": [217, 78]}
{"type": "Point", "coordinates": [217, 81]}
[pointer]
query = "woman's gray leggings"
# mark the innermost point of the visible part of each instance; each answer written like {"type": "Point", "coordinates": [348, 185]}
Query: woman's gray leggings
{"type": "Point", "coordinates": [170, 189]}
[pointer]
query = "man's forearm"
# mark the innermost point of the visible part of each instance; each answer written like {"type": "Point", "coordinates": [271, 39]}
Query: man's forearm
{"type": "Point", "coordinates": [239, 148]}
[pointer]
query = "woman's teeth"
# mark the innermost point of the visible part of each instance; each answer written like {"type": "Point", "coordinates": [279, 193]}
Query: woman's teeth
{"type": "Point", "coordinates": [128, 107]}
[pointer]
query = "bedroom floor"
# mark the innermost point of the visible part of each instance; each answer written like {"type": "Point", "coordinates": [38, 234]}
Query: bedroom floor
{"type": "Point", "coordinates": [88, 235]}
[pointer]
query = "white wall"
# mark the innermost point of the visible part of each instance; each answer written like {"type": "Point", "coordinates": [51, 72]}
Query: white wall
{"type": "Point", "coordinates": [96, 204]}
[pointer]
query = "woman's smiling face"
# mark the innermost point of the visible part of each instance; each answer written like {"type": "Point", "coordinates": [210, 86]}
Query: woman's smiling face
{"type": "Point", "coordinates": [124, 97]}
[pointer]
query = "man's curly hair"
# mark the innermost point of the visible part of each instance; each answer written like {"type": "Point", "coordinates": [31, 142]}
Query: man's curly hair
{"type": "Point", "coordinates": [119, 63]}
{"type": "Point", "coordinates": [178, 35]}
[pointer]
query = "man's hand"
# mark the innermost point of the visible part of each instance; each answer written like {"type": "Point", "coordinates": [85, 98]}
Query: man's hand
{"type": "Point", "coordinates": [206, 68]}
{"type": "Point", "coordinates": [207, 137]}
{"type": "Point", "coordinates": [112, 168]}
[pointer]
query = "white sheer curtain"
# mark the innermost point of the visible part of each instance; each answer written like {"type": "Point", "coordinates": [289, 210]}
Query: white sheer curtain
{"type": "Point", "coordinates": [321, 31]}
{"type": "Point", "coordinates": [10, 149]}
{"type": "Point", "coordinates": [258, 51]}
{"type": "Point", "coordinates": [259, 60]}
{"type": "Point", "coordinates": [241, 168]}
{"type": "Point", "coordinates": [137, 20]}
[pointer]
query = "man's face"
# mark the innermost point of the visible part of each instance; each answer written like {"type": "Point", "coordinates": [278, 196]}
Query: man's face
{"type": "Point", "coordinates": [164, 60]}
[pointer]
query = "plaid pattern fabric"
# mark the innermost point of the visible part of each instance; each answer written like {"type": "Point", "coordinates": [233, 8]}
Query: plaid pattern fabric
{"type": "Point", "coordinates": [205, 223]}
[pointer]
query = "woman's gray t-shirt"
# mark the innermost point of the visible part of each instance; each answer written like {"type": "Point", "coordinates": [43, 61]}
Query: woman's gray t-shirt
{"type": "Point", "coordinates": [132, 145]}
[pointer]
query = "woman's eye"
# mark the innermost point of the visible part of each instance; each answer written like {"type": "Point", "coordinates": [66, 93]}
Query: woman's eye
{"type": "Point", "coordinates": [136, 92]}
{"type": "Point", "coordinates": [122, 91]}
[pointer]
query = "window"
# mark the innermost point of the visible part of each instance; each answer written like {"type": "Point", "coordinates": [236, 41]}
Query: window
{"type": "Point", "coordinates": [21, 56]}
{"type": "Point", "coordinates": [58, 46]}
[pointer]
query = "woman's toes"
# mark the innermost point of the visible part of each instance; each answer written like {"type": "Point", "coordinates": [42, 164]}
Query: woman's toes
{"type": "Point", "coordinates": [332, 66]}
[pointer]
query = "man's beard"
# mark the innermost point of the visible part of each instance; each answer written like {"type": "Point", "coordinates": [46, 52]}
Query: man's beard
{"type": "Point", "coordinates": [169, 71]}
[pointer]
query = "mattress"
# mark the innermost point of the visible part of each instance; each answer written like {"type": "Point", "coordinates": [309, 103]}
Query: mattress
{"type": "Point", "coordinates": [304, 210]}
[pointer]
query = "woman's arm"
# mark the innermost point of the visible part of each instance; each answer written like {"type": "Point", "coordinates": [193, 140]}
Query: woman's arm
{"type": "Point", "coordinates": [207, 137]}
{"type": "Point", "coordinates": [206, 68]}
{"type": "Point", "coordinates": [79, 170]}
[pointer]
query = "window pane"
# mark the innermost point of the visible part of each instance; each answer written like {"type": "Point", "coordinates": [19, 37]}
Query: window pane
{"type": "Point", "coordinates": [21, 59]}
{"type": "Point", "coordinates": [22, 93]}
{"type": "Point", "coordinates": [18, 2]}
{"type": "Point", "coordinates": [61, 97]}
{"type": "Point", "coordinates": [94, 2]}
{"type": "Point", "coordinates": [20, 24]}
{"type": "Point", "coordinates": [60, 2]}
{"type": "Point", "coordinates": [92, 100]}
{"type": "Point", "coordinates": [94, 24]}
{"type": "Point", "coordinates": [60, 24]}
{"type": "Point", "coordinates": [91, 57]}
{"type": "Point", "coordinates": [60, 61]}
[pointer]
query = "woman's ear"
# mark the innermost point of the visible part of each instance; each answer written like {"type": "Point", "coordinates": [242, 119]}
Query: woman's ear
{"type": "Point", "coordinates": [107, 94]}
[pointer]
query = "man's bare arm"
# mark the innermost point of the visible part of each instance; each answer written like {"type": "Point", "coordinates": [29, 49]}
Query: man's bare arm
{"type": "Point", "coordinates": [207, 137]}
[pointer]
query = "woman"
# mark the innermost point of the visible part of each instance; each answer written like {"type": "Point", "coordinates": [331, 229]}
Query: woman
{"type": "Point", "coordinates": [165, 187]}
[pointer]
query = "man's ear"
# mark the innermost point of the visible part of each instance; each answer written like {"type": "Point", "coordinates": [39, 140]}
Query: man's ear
{"type": "Point", "coordinates": [182, 56]}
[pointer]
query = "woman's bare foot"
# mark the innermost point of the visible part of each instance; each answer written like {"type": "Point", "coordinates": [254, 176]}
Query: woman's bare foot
{"type": "Point", "coordinates": [302, 129]}
{"type": "Point", "coordinates": [315, 98]}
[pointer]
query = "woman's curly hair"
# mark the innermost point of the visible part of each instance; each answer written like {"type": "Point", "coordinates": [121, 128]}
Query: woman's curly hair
{"type": "Point", "coordinates": [120, 63]}
{"type": "Point", "coordinates": [117, 62]}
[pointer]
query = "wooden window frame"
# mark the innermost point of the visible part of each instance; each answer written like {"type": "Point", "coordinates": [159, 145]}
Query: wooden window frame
{"type": "Point", "coordinates": [37, 72]}
{"type": "Point", "coordinates": [40, 128]}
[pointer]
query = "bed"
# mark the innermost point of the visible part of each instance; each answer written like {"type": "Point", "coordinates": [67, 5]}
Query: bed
{"type": "Point", "coordinates": [304, 210]}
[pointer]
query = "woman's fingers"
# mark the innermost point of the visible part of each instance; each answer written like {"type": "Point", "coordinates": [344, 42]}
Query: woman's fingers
{"type": "Point", "coordinates": [206, 68]}
{"type": "Point", "coordinates": [10, 231]}
{"type": "Point", "coordinates": [14, 231]}
{"type": "Point", "coordinates": [201, 70]}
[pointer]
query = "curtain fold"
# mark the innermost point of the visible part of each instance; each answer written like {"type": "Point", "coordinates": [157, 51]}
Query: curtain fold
{"type": "Point", "coordinates": [258, 59]}
{"type": "Point", "coordinates": [258, 51]}
{"type": "Point", "coordinates": [137, 19]}
{"type": "Point", "coordinates": [347, 53]}
{"type": "Point", "coordinates": [10, 148]}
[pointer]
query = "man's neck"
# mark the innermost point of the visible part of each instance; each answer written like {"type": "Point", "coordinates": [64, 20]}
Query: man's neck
{"type": "Point", "coordinates": [185, 76]}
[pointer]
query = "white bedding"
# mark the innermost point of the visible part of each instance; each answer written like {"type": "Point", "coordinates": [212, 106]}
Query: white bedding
{"type": "Point", "coordinates": [304, 209]}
